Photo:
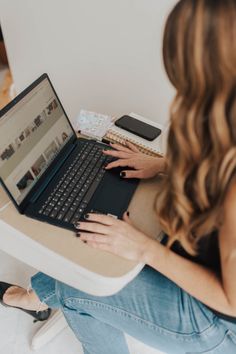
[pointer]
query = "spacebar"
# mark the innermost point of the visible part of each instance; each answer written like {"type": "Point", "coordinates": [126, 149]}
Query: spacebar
{"type": "Point", "coordinates": [91, 190]}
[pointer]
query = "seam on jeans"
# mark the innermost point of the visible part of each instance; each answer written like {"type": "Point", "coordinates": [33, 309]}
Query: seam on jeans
{"type": "Point", "coordinates": [187, 337]}
{"type": "Point", "coordinates": [41, 298]}
{"type": "Point", "coordinates": [232, 335]}
{"type": "Point", "coordinates": [49, 296]}
{"type": "Point", "coordinates": [58, 293]}
{"type": "Point", "coordinates": [44, 299]}
{"type": "Point", "coordinates": [215, 347]}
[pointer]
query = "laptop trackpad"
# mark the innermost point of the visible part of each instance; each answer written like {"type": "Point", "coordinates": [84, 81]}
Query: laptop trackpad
{"type": "Point", "coordinates": [113, 195]}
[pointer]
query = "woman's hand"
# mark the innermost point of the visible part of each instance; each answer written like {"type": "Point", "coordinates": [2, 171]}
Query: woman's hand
{"type": "Point", "coordinates": [144, 166]}
{"type": "Point", "coordinates": [116, 236]}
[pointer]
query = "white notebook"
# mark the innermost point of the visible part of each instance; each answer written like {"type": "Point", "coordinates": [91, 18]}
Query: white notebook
{"type": "Point", "coordinates": [154, 148]}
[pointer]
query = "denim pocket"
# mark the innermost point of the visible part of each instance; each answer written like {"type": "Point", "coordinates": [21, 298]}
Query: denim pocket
{"type": "Point", "coordinates": [226, 346]}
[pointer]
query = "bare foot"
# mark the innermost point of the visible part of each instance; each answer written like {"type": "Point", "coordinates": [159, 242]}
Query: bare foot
{"type": "Point", "coordinates": [19, 297]}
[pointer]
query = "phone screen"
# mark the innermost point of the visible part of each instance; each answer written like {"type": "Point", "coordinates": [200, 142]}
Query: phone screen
{"type": "Point", "coordinates": [138, 127]}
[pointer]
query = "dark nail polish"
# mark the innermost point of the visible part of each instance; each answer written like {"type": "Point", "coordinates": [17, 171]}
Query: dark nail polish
{"type": "Point", "coordinates": [86, 216]}
{"type": "Point", "coordinates": [84, 241]}
{"type": "Point", "coordinates": [122, 174]}
{"type": "Point", "coordinates": [127, 213]}
{"type": "Point", "coordinates": [79, 131]}
{"type": "Point", "coordinates": [77, 234]}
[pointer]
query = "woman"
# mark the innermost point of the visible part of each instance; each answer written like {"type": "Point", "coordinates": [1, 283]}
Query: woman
{"type": "Point", "coordinates": [184, 300]}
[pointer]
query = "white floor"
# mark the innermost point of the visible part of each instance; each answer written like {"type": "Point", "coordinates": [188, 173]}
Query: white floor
{"type": "Point", "coordinates": [17, 328]}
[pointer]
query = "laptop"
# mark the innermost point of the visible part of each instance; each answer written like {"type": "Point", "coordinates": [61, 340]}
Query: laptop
{"type": "Point", "coordinates": [48, 172]}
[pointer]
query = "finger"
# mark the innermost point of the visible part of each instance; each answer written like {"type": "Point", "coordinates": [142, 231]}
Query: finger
{"type": "Point", "coordinates": [126, 218]}
{"type": "Point", "coordinates": [119, 163]}
{"type": "Point", "coordinates": [93, 238]}
{"type": "Point", "coordinates": [132, 174]}
{"type": "Point", "coordinates": [100, 218]}
{"type": "Point", "coordinates": [107, 151]}
{"type": "Point", "coordinates": [132, 146]}
{"type": "Point", "coordinates": [93, 227]}
{"type": "Point", "coordinates": [116, 153]}
{"type": "Point", "coordinates": [100, 246]}
{"type": "Point", "coordinates": [121, 148]}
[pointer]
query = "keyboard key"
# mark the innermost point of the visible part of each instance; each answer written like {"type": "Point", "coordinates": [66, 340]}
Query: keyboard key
{"type": "Point", "coordinates": [91, 191]}
{"type": "Point", "coordinates": [70, 197]}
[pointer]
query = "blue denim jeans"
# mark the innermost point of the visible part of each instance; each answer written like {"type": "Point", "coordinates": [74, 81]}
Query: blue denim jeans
{"type": "Point", "coordinates": [151, 308]}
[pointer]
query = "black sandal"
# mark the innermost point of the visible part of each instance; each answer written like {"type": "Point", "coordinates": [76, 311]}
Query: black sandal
{"type": "Point", "coordinates": [38, 315]}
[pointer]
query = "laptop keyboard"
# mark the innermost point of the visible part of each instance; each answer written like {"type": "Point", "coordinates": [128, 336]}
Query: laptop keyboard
{"type": "Point", "coordinates": [69, 199]}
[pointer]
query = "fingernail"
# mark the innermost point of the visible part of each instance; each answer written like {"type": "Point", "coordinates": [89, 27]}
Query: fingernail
{"type": "Point", "coordinates": [127, 213]}
{"type": "Point", "coordinates": [79, 131]}
{"type": "Point", "coordinates": [86, 216]}
{"type": "Point", "coordinates": [84, 241]}
{"type": "Point", "coordinates": [122, 174]}
{"type": "Point", "coordinates": [77, 234]}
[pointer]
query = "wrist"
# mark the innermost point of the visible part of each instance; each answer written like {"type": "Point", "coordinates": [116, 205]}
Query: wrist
{"type": "Point", "coordinates": [156, 255]}
{"type": "Point", "coordinates": [162, 164]}
{"type": "Point", "coordinates": [149, 251]}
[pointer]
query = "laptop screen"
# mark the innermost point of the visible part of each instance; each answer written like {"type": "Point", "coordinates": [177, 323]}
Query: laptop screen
{"type": "Point", "coordinates": [32, 133]}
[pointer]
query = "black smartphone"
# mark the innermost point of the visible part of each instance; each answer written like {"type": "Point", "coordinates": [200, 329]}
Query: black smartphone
{"type": "Point", "coordinates": [138, 127]}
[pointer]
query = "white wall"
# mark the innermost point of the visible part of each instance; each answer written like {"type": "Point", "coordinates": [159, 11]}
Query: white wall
{"type": "Point", "coordinates": [102, 55]}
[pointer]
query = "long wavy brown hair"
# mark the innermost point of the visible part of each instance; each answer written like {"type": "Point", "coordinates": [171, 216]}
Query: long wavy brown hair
{"type": "Point", "coordinates": [200, 59]}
